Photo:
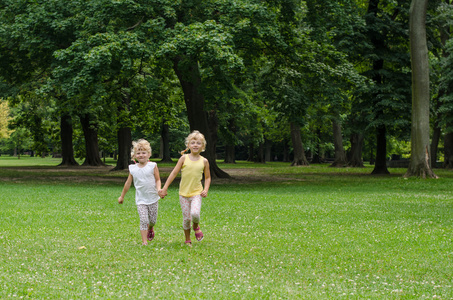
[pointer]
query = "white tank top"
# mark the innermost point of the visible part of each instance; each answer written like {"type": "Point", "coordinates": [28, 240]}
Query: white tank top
{"type": "Point", "coordinates": [145, 183]}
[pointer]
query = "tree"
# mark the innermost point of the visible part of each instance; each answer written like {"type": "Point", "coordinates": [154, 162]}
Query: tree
{"type": "Point", "coordinates": [209, 40]}
{"type": "Point", "coordinates": [355, 159]}
{"type": "Point", "coordinates": [67, 149]}
{"type": "Point", "coordinates": [241, 65]}
{"type": "Point", "coordinates": [388, 64]}
{"type": "Point", "coordinates": [338, 31]}
{"type": "Point", "coordinates": [189, 76]}
{"type": "Point", "coordinates": [445, 11]}
{"type": "Point", "coordinates": [420, 164]}
{"type": "Point", "coordinates": [165, 143]}
{"type": "Point", "coordinates": [299, 152]}
{"type": "Point", "coordinates": [35, 114]}
{"type": "Point", "coordinates": [31, 33]}
{"type": "Point", "coordinates": [340, 154]}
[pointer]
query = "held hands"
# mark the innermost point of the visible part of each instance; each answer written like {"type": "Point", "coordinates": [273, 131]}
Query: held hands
{"type": "Point", "coordinates": [162, 193]}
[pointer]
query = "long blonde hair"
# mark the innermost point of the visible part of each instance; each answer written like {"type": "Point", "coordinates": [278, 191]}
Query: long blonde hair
{"type": "Point", "coordinates": [194, 135]}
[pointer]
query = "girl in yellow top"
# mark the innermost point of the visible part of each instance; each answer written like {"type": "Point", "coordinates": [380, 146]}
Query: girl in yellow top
{"type": "Point", "coordinates": [192, 167]}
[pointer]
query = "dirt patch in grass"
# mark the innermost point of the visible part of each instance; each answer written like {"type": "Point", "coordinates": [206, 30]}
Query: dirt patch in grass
{"type": "Point", "coordinates": [105, 175]}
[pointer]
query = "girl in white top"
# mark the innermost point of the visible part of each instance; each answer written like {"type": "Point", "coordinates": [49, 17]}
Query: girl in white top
{"type": "Point", "coordinates": [145, 175]}
{"type": "Point", "coordinates": [192, 167]}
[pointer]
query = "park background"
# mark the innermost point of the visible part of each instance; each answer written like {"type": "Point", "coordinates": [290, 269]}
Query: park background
{"type": "Point", "coordinates": [317, 119]}
{"type": "Point", "coordinates": [298, 81]}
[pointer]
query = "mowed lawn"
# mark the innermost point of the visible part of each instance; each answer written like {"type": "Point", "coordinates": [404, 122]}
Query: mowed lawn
{"type": "Point", "coordinates": [271, 232]}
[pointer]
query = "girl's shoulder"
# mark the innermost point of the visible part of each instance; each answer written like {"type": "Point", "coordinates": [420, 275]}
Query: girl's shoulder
{"type": "Point", "coordinates": [150, 166]}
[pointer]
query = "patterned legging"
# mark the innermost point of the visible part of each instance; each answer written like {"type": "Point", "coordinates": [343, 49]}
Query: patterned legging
{"type": "Point", "coordinates": [191, 208]}
{"type": "Point", "coordinates": [147, 214]}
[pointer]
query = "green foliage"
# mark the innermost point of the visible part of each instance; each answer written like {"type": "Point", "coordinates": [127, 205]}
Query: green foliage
{"type": "Point", "coordinates": [263, 64]}
{"type": "Point", "coordinates": [388, 102]}
{"type": "Point", "coordinates": [19, 141]}
{"type": "Point", "coordinates": [35, 116]}
{"type": "Point", "coordinates": [446, 66]}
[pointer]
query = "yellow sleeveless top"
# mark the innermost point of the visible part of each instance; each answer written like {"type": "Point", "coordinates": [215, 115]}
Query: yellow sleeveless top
{"type": "Point", "coordinates": [191, 175]}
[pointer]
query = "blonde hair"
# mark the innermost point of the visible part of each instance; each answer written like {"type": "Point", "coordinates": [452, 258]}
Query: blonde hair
{"type": "Point", "coordinates": [140, 145]}
{"type": "Point", "coordinates": [194, 135]}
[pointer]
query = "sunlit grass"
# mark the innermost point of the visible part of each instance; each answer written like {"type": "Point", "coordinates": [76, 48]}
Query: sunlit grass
{"type": "Point", "coordinates": [303, 233]}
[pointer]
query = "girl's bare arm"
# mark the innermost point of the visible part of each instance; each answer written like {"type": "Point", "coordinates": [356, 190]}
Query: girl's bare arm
{"type": "Point", "coordinates": [207, 178]}
{"type": "Point", "coordinates": [126, 187]}
{"type": "Point", "coordinates": [173, 174]}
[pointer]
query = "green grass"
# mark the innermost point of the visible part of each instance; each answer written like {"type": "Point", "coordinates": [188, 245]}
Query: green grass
{"type": "Point", "coordinates": [273, 232]}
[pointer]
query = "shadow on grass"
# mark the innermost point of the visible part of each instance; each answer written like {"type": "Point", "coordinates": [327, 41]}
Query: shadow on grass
{"type": "Point", "coordinates": [240, 174]}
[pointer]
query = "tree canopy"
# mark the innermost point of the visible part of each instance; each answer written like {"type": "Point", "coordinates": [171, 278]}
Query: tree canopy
{"type": "Point", "coordinates": [312, 79]}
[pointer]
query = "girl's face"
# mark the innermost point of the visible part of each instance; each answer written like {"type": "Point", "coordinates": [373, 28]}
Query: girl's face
{"type": "Point", "coordinates": [142, 156]}
{"type": "Point", "coordinates": [195, 146]}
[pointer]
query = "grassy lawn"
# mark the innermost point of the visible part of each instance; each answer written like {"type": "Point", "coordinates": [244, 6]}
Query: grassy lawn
{"type": "Point", "coordinates": [271, 232]}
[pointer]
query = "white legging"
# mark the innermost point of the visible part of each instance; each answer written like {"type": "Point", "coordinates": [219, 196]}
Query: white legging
{"type": "Point", "coordinates": [191, 208]}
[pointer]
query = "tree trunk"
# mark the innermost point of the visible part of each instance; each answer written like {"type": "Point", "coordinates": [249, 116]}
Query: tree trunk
{"type": "Point", "coordinates": [380, 166]}
{"type": "Point", "coordinates": [124, 134]}
{"type": "Point", "coordinates": [124, 149]}
{"type": "Point", "coordinates": [67, 150]}
{"type": "Point", "coordinates": [317, 154]}
{"type": "Point", "coordinates": [448, 150]}
{"type": "Point", "coordinates": [165, 138]}
{"type": "Point", "coordinates": [286, 157]}
{"type": "Point", "coordinates": [356, 160]}
{"type": "Point", "coordinates": [435, 139]}
{"type": "Point", "coordinates": [190, 79]}
{"type": "Point", "coordinates": [420, 164]}
{"type": "Point", "coordinates": [437, 131]}
{"type": "Point", "coordinates": [260, 158]}
{"type": "Point", "coordinates": [316, 158]}
{"type": "Point", "coordinates": [213, 125]}
{"type": "Point", "coordinates": [268, 150]}
{"type": "Point", "coordinates": [92, 157]}
{"type": "Point", "coordinates": [299, 152]}
{"type": "Point", "coordinates": [340, 154]}
{"type": "Point", "coordinates": [230, 156]}
{"type": "Point", "coordinates": [251, 149]}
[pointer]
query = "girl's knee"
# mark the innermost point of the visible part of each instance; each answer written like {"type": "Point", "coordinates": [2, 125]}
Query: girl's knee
{"type": "Point", "coordinates": [144, 226]}
{"type": "Point", "coordinates": [196, 218]}
{"type": "Point", "coordinates": [186, 224]}
{"type": "Point", "coordinates": [152, 221]}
